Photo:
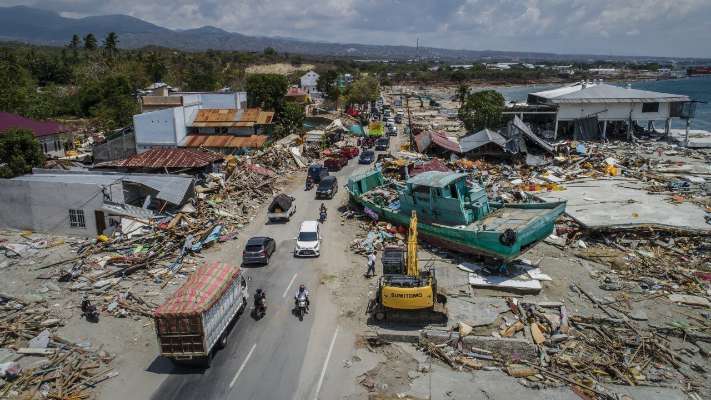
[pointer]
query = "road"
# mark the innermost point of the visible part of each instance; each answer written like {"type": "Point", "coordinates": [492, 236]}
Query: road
{"type": "Point", "coordinates": [280, 357]}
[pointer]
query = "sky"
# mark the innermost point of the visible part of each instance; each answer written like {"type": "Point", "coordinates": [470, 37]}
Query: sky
{"type": "Point", "coordinates": [675, 28]}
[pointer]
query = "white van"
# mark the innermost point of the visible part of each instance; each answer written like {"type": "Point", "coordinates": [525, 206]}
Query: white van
{"type": "Point", "coordinates": [308, 243]}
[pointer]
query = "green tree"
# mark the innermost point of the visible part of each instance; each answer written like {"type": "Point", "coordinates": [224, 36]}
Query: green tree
{"type": "Point", "coordinates": [462, 93]}
{"type": "Point", "coordinates": [111, 44]}
{"type": "Point", "coordinates": [266, 91]}
{"type": "Point", "coordinates": [482, 110]}
{"type": "Point", "coordinates": [201, 75]}
{"type": "Point", "coordinates": [291, 118]}
{"type": "Point", "coordinates": [328, 83]}
{"type": "Point", "coordinates": [364, 90]}
{"type": "Point", "coordinates": [19, 153]}
{"type": "Point", "coordinates": [75, 43]}
{"type": "Point", "coordinates": [110, 100]}
{"type": "Point", "coordinates": [17, 85]}
{"type": "Point", "coordinates": [155, 67]}
{"type": "Point", "coordinates": [270, 52]}
{"type": "Point", "coordinates": [90, 42]}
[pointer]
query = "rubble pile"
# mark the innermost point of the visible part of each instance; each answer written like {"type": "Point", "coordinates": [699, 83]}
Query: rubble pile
{"type": "Point", "coordinates": [37, 363]}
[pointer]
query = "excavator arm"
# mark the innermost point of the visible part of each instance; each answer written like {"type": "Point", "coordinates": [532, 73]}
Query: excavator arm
{"type": "Point", "coordinates": [412, 267]}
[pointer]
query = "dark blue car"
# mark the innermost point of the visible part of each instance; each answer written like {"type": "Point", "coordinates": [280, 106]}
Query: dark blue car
{"type": "Point", "coordinates": [366, 157]}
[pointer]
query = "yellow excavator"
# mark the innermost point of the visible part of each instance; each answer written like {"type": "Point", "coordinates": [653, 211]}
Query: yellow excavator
{"type": "Point", "coordinates": [409, 295]}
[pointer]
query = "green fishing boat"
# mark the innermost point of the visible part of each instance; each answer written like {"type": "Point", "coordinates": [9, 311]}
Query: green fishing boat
{"type": "Point", "coordinates": [454, 213]}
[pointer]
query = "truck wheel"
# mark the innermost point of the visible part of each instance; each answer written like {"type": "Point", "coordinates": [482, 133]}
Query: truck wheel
{"type": "Point", "coordinates": [222, 342]}
{"type": "Point", "coordinates": [380, 316]}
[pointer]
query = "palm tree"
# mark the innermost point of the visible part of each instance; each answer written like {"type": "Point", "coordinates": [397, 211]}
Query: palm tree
{"type": "Point", "coordinates": [90, 42]}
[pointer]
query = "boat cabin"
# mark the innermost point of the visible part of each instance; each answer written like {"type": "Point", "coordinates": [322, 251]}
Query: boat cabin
{"type": "Point", "coordinates": [444, 198]}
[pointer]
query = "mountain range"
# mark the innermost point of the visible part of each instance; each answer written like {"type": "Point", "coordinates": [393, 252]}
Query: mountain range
{"type": "Point", "coordinates": [36, 26]}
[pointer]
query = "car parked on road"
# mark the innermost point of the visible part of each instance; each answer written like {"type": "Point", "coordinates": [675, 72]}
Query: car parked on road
{"type": "Point", "coordinates": [317, 172]}
{"type": "Point", "coordinates": [327, 188]}
{"type": "Point", "coordinates": [308, 242]}
{"type": "Point", "coordinates": [366, 157]}
{"type": "Point", "coordinates": [349, 151]}
{"type": "Point", "coordinates": [335, 163]}
{"type": "Point", "coordinates": [382, 143]}
{"type": "Point", "coordinates": [258, 250]}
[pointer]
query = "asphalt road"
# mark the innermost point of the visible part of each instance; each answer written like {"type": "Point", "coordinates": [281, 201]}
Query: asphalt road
{"type": "Point", "coordinates": [279, 357]}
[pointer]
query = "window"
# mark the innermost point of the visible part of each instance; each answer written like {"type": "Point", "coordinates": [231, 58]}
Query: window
{"type": "Point", "coordinates": [650, 107]}
{"type": "Point", "coordinates": [76, 219]}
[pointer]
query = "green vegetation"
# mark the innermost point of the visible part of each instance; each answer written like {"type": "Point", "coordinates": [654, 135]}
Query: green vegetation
{"type": "Point", "coordinates": [364, 90]}
{"type": "Point", "coordinates": [20, 152]}
{"type": "Point", "coordinates": [291, 118]}
{"type": "Point", "coordinates": [482, 110]}
{"type": "Point", "coordinates": [266, 91]}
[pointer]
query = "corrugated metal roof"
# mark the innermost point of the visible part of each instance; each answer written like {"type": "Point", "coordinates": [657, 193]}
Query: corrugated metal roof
{"type": "Point", "coordinates": [435, 178]}
{"type": "Point", "coordinates": [605, 93]}
{"type": "Point", "coordinates": [225, 117]}
{"type": "Point", "coordinates": [39, 128]}
{"type": "Point", "coordinates": [476, 140]}
{"type": "Point", "coordinates": [216, 115]}
{"type": "Point", "coordinates": [166, 158]}
{"type": "Point", "coordinates": [226, 141]}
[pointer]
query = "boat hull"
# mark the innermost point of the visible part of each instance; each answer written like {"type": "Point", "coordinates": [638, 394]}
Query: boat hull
{"type": "Point", "coordinates": [482, 242]}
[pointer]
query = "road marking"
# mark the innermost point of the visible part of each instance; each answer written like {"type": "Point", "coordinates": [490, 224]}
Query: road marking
{"type": "Point", "coordinates": [325, 365]}
{"type": "Point", "coordinates": [291, 282]}
{"type": "Point", "coordinates": [244, 364]}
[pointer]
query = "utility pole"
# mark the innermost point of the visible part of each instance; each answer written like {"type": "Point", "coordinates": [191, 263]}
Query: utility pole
{"type": "Point", "coordinates": [409, 122]}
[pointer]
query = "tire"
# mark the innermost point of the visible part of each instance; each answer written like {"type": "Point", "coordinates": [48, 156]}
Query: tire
{"type": "Point", "coordinates": [222, 342]}
{"type": "Point", "coordinates": [380, 316]}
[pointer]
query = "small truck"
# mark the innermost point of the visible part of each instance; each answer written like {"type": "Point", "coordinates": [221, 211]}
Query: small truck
{"type": "Point", "coordinates": [196, 320]}
{"type": "Point", "coordinates": [281, 208]}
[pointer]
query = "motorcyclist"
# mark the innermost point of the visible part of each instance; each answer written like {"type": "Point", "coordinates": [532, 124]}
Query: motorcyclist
{"type": "Point", "coordinates": [301, 293]}
{"type": "Point", "coordinates": [322, 212]}
{"type": "Point", "coordinates": [260, 298]}
{"type": "Point", "coordinates": [309, 182]}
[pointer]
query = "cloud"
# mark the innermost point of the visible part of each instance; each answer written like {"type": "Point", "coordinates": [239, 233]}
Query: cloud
{"type": "Point", "coordinates": [636, 27]}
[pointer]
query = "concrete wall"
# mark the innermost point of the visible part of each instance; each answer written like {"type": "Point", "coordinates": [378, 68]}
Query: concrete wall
{"type": "Point", "coordinates": [615, 111]}
{"type": "Point", "coordinates": [44, 207]}
{"type": "Point", "coordinates": [53, 145]}
{"type": "Point", "coordinates": [118, 148]}
{"type": "Point", "coordinates": [157, 128]}
{"type": "Point", "coordinates": [218, 100]}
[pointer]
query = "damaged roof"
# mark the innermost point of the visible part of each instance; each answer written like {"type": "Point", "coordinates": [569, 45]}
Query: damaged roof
{"type": "Point", "coordinates": [476, 140]}
{"type": "Point", "coordinates": [171, 188]}
{"type": "Point", "coordinates": [231, 141]}
{"type": "Point", "coordinates": [426, 139]}
{"type": "Point", "coordinates": [166, 158]}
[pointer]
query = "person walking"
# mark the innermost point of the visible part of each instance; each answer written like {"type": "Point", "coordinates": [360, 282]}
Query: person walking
{"type": "Point", "coordinates": [371, 265]}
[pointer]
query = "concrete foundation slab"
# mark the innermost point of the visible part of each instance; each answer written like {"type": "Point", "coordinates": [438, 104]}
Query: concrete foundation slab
{"type": "Point", "coordinates": [623, 203]}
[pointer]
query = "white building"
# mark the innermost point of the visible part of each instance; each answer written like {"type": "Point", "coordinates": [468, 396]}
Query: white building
{"type": "Point", "coordinates": [309, 82]}
{"type": "Point", "coordinates": [167, 122]}
{"type": "Point", "coordinates": [594, 102]}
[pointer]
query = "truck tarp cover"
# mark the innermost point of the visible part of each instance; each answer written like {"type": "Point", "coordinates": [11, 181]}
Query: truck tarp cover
{"type": "Point", "coordinates": [280, 203]}
{"type": "Point", "coordinates": [202, 289]}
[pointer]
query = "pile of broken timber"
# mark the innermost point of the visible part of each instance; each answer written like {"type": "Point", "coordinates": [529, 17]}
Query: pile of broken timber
{"type": "Point", "coordinates": [65, 369]}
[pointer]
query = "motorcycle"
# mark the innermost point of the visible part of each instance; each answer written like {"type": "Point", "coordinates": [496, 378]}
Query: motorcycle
{"type": "Point", "coordinates": [89, 310]}
{"type": "Point", "coordinates": [322, 216]}
{"type": "Point", "coordinates": [301, 307]}
{"type": "Point", "coordinates": [260, 309]}
{"type": "Point", "coordinates": [309, 185]}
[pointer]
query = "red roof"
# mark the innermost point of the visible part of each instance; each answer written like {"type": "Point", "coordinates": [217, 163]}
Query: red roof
{"type": "Point", "coordinates": [434, 165]}
{"type": "Point", "coordinates": [167, 158]}
{"type": "Point", "coordinates": [227, 141]}
{"type": "Point", "coordinates": [40, 128]}
{"type": "Point", "coordinates": [426, 139]}
{"type": "Point", "coordinates": [202, 289]}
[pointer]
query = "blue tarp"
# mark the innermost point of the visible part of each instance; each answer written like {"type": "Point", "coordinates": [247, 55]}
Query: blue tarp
{"type": "Point", "coordinates": [357, 130]}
